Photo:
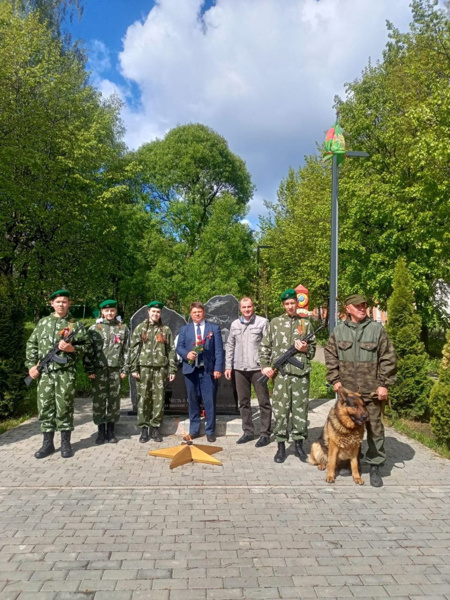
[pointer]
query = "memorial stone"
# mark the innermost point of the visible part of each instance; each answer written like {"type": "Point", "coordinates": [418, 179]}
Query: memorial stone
{"type": "Point", "coordinates": [223, 310]}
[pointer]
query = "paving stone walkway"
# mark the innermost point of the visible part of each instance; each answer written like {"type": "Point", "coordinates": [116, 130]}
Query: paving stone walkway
{"type": "Point", "coordinates": [113, 523]}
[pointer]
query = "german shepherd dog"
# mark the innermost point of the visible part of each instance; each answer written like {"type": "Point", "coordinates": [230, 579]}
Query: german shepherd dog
{"type": "Point", "coordinates": [341, 437]}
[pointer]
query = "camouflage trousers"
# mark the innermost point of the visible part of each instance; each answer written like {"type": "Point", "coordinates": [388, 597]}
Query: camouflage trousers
{"type": "Point", "coordinates": [55, 400]}
{"type": "Point", "coordinates": [290, 398]}
{"type": "Point", "coordinates": [376, 453]}
{"type": "Point", "coordinates": [106, 395]}
{"type": "Point", "coordinates": [151, 388]}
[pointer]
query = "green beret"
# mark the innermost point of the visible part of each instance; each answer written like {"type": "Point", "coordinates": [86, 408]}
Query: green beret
{"type": "Point", "coordinates": [289, 294]}
{"type": "Point", "coordinates": [155, 304]}
{"type": "Point", "coordinates": [108, 304]}
{"type": "Point", "coordinates": [60, 293]}
{"type": "Point", "coordinates": [355, 299]}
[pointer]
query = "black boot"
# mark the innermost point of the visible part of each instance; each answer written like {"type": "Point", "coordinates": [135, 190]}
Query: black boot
{"type": "Point", "coordinates": [299, 452]}
{"type": "Point", "coordinates": [280, 456]}
{"type": "Point", "coordinates": [47, 447]}
{"type": "Point", "coordinates": [101, 434]}
{"type": "Point", "coordinates": [110, 433]}
{"type": "Point", "coordinates": [156, 436]}
{"type": "Point", "coordinates": [375, 477]}
{"type": "Point", "coordinates": [144, 435]}
{"type": "Point", "coordinates": [66, 448]}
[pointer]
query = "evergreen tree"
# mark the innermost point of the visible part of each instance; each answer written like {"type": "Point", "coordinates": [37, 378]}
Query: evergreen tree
{"type": "Point", "coordinates": [440, 399]}
{"type": "Point", "coordinates": [12, 348]}
{"type": "Point", "coordinates": [409, 395]}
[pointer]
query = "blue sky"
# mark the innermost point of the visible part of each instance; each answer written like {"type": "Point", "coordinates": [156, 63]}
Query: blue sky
{"type": "Point", "coordinates": [262, 73]}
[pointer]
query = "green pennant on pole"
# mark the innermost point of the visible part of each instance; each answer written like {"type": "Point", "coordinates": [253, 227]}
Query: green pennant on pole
{"type": "Point", "coordinates": [335, 143]}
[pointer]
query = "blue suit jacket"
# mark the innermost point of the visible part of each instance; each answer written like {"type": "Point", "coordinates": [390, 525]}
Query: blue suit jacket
{"type": "Point", "coordinates": [213, 352]}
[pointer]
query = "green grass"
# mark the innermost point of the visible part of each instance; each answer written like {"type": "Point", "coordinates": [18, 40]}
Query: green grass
{"type": "Point", "coordinates": [318, 387]}
{"type": "Point", "coordinates": [421, 432]}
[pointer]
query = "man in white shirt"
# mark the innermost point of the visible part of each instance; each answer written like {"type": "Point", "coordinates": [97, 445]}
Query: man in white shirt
{"type": "Point", "coordinates": [241, 356]}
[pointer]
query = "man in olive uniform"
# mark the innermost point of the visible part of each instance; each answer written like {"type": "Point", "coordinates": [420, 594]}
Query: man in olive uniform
{"type": "Point", "coordinates": [104, 363]}
{"type": "Point", "coordinates": [56, 389]}
{"type": "Point", "coordinates": [152, 361]}
{"type": "Point", "coordinates": [360, 357]}
{"type": "Point", "coordinates": [291, 389]}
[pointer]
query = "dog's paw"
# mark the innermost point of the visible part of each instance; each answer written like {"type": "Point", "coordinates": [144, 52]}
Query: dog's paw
{"type": "Point", "coordinates": [359, 480]}
{"type": "Point", "coordinates": [321, 467]}
{"type": "Point", "coordinates": [330, 479]}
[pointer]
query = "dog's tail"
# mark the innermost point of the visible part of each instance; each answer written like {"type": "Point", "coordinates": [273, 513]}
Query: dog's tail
{"type": "Point", "coordinates": [318, 454]}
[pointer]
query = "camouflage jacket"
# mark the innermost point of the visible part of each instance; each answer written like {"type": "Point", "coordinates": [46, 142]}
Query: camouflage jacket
{"type": "Point", "coordinates": [107, 347]}
{"type": "Point", "coordinates": [46, 334]}
{"type": "Point", "coordinates": [360, 356]}
{"type": "Point", "coordinates": [157, 351]}
{"type": "Point", "coordinates": [280, 335]}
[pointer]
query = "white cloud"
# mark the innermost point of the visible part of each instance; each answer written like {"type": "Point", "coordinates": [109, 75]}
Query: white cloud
{"type": "Point", "coordinates": [263, 73]}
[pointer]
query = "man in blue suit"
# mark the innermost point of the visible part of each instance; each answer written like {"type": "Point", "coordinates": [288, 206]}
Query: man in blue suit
{"type": "Point", "coordinates": [202, 369]}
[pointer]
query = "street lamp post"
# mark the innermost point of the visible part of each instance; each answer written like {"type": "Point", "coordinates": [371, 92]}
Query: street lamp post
{"type": "Point", "coordinates": [332, 306]}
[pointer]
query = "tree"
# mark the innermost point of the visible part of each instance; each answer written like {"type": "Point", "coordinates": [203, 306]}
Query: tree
{"type": "Point", "coordinates": [196, 191]}
{"type": "Point", "coordinates": [298, 233]}
{"type": "Point", "coordinates": [185, 173]}
{"type": "Point", "coordinates": [409, 395]}
{"type": "Point", "coordinates": [440, 399]}
{"type": "Point", "coordinates": [12, 348]}
{"type": "Point", "coordinates": [58, 145]}
{"type": "Point", "coordinates": [395, 203]}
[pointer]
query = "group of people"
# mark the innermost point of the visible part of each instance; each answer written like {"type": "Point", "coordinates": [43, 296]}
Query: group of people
{"type": "Point", "coordinates": [358, 355]}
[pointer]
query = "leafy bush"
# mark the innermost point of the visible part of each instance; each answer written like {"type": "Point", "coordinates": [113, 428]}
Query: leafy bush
{"type": "Point", "coordinates": [318, 386]}
{"type": "Point", "coordinates": [409, 395]}
{"type": "Point", "coordinates": [440, 399]}
{"type": "Point", "coordinates": [12, 349]}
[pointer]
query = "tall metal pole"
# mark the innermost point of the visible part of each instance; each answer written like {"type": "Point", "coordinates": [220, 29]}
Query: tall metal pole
{"type": "Point", "coordinates": [332, 307]}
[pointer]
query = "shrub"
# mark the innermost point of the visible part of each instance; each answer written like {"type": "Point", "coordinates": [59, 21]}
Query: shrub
{"type": "Point", "coordinates": [12, 349]}
{"type": "Point", "coordinates": [440, 399]}
{"type": "Point", "coordinates": [409, 395]}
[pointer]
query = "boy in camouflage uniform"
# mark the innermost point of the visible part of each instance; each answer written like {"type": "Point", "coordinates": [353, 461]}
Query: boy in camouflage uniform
{"type": "Point", "coordinates": [104, 362]}
{"type": "Point", "coordinates": [291, 390]}
{"type": "Point", "coordinates": [360, 357]}
{"type": "Point", "coordinates": [152, 360]}
{"type": "Point", "coordinates": [56, 389]}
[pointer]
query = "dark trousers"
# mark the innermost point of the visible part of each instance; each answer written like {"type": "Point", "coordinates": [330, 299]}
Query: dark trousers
{"type": "Point", "coordinates": [376, 453]}
{"type": "Point", "coordinates": [244, 380]}
{"type": "Point", "coordinates": [201, 387]}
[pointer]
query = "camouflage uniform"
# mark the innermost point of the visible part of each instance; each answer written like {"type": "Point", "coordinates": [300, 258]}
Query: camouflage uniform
{"type": "Point", "coordinates": [55, 389]}
{"type": "Point", "coordinates": [154, 360]}
{"type": "Point", "coordinates": [105, 358]}
{"type": "Point", "coordinates": [362, 358]}
{"type": "Point", "coordinates": [290, 391]}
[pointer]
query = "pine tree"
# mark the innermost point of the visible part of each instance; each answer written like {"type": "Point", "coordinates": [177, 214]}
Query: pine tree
{"type": "Point", "coordinates": [409, 395]}
{"type": "Point", "coordinates": [12, 348]}
{"type": "Point", "coordinates": [440, 399]}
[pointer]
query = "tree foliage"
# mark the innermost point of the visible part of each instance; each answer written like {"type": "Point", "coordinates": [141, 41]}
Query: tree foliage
{"type": "Point", "coordinates": [297, 230]}
{"type": "Point", "coordinates": [440, 399]}
{"type": "Point", "coordinates": [409, 395]}
{"type": "Point", "coordinates": [58, 145]}
{"type": "Point", "coordinates": [197, 192]}
{"type": "Point", "coordinates": [12, 348]}
{"type": "Point", "coordinates": [395, 203]}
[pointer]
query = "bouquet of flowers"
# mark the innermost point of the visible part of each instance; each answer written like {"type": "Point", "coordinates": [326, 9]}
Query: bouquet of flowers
{"type": "Point", "coordinates": [199, 345]}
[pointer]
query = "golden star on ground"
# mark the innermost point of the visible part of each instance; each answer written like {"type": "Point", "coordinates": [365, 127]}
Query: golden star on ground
{"type": "Point", "coordinates": [188, 452]}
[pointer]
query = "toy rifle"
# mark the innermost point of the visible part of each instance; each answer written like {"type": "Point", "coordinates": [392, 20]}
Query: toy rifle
{"type": "Point", "coordinates": [53, 355]}
{"type": "Point", "coordinates": [288, 356]}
